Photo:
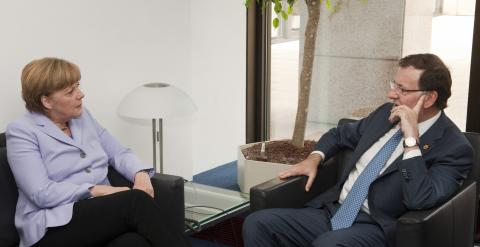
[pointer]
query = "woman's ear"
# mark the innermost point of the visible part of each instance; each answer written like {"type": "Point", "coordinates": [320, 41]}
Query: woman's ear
{"type": "Point", "coordinates": [46, 102]}
{"type": "Point", "coordinates": [430, 99]}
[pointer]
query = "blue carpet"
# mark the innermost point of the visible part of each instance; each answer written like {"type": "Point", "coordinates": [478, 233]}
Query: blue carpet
{"type": "Point", "coordinates": [224, 176]}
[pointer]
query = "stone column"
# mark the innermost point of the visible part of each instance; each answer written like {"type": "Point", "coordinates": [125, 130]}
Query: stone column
{"type": "Point", "coordinates": [357, 52]}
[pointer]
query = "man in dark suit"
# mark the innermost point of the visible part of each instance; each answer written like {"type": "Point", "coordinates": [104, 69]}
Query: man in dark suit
{"type": "Point", "coordinates": [408, 155]}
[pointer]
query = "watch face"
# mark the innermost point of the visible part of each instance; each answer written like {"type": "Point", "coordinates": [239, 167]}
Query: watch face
{"type": "Point", "coordinates": [410, 142]}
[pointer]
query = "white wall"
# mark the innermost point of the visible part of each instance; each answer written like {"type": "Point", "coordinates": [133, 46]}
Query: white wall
{"type": "Point", "coordinates": [198, 46]}
{"type": "Point", "coordinates": [458, 7]}
{"type": "Point", "coordinates": [118, 45]}
{"type": "Point", "coordinates": [218, 46]}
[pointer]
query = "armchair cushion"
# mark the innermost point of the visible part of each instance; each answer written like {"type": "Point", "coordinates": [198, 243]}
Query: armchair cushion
{"type": "Point", "coordinates": [428, 227]}
{"type": "Point", "coordinates": [3, 140]}
{"type": "Point", "coordinates": [9, 193]}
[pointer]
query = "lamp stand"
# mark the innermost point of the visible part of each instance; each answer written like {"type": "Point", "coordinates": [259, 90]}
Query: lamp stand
{"type": "Point", "coordinates": [157, 137]}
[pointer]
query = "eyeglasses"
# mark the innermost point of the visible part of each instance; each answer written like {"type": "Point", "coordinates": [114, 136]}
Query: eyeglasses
{"type": "Point", "coordinates": [395, 87]}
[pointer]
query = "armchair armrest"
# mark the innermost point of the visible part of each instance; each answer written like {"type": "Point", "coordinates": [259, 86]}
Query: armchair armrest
{"type": "Point", "coordinates": [169, 196]}
{"type": "Point", "coordinates": [281, 193]}
{"type": "Point", "coordinates": [427, 227]}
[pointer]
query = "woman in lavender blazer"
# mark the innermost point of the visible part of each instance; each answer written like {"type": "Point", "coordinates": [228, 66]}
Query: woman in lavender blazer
{"type": "Point", "coordinates": [59, 156]}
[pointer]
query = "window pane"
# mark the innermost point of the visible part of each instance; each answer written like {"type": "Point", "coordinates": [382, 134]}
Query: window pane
{"type": "Point", "coordinates": [452, 41]}
{"type": "Point", "coordinates": [284, 75]}
{"type": "Point", "coordinates": [353, 62]}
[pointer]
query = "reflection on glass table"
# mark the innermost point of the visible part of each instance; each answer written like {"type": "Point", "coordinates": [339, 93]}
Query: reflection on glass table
{"type": "Point", "coordinates": [207, 205]}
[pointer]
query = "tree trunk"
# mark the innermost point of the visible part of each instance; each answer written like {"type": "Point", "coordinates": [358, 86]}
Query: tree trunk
{"type": "Point", "coordinates": [313, 7]}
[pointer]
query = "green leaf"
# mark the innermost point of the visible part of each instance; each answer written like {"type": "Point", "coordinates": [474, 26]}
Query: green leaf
{"type": "Point", "coordinates": [278, 7]}
{"type": "Point", "coordinates": [328, 4]}
{"type": "Point", "coordinates": [284, 15]}
{"type": "Point", "coordinates": [290, 10]}
{"type": "Point", "coordinates": [291, 2]}
{"type": "Point", "coordinates": [247, 3]}
{"type": "Point", "coordinates": [276, 22]}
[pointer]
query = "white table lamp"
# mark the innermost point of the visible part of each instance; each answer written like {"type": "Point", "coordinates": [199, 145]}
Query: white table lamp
{"type": "Point", "coordinates": [156, 101]}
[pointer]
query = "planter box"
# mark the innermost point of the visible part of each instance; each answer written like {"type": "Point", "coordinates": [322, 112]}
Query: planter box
{"type": "Point", "coordinates": [252, 172]}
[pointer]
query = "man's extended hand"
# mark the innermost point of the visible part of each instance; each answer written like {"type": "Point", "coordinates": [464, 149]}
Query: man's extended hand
{"type": "Point", "coordinates": [408, 117]}
{"type": "Point", "coordinates": [142, 182]}
{"type": "Point", "coordinates": [307, 167]}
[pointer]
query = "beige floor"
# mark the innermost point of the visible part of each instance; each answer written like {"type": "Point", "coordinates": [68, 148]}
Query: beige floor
{"type": "Point", "coordinates": [451, 40]}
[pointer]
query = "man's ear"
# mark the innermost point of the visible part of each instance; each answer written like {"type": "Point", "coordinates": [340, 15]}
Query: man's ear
{"type": "Point", "coordinates": [46, 102]}
{"type": "Point", "coordinates": [430, 99]}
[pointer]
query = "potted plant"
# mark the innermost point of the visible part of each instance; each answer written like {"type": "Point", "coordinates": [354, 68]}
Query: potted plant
{"type": "Point", "coordinates": [255, 166]}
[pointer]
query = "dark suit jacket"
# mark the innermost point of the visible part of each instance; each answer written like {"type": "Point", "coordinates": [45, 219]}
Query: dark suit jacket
{"type": "Point", "coordinates": [416, 183]}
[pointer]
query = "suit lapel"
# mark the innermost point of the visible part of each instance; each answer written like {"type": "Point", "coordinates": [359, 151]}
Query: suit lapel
{"type": "Point", "coordinates": [76, 126]}
{"type": "Point", "coordinates": [48, 127]}
{"type": "Point", "coordinates": [392, 167]}
{"type": "Point", "coordinates": [377, 128]}
{"type": "Point", "coordinates": [427, 141]}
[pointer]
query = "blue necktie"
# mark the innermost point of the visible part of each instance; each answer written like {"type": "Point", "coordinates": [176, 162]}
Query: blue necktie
{"type": "Point", "coordinates": [348, 211]}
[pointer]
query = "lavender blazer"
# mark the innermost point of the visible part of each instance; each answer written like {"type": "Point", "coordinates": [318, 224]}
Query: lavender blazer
{"type": "Point", "coordinates": [53, 170]}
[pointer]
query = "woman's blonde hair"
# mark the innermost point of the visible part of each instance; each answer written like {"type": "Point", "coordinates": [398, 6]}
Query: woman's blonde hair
{"type": "Point", "coordinates": [44, 76]}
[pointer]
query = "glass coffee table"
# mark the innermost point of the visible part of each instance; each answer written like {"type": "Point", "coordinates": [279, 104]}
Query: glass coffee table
{"type": "Point", "coordinates": [207, 205]}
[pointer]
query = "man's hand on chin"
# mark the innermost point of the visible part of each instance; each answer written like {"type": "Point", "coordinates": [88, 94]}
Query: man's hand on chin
{"type": "Point", "coordinates": [408, 117]}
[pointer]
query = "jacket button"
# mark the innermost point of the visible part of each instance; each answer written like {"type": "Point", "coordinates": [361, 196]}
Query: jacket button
{"type": "Point", "coordinates": [83, 155]}
{"type": "Point", "coordinates": [88, 170]}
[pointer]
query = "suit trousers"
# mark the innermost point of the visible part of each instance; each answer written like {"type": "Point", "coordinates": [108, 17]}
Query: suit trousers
{"type": "Point", "coordinates": [309, 227]}
{"type": "Point", "coordinates": [128, 218]}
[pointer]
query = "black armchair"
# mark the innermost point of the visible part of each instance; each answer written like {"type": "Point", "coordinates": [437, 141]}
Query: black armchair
{"type": "Point", "coordinates": [168, 190]}
{"type": "Point", "coordinates": [451, 224]}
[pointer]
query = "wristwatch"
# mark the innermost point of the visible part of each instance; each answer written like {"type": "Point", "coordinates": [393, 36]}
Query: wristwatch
{"type": "Point", "coordinates": [410, 142]}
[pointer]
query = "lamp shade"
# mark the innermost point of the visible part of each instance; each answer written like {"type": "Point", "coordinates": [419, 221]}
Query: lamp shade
{"type": "Point", "coordinates": [156, 100]}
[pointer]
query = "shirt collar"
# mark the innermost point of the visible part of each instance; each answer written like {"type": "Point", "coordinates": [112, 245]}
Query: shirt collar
{"type": "Point", "coordinates": [425, 125]}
